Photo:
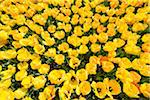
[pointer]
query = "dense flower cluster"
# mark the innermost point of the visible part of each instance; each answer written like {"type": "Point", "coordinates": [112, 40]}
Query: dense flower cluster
{"type": "Point", "coordinates": [74, 49]}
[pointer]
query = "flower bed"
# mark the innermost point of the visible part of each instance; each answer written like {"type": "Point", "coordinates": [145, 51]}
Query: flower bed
{"type": "Point", "coordinates": [74, 49]}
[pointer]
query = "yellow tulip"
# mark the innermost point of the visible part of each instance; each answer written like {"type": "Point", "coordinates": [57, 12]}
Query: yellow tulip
{"type": "Point", "coordinates": [39, 49]}
{"type": "Point", "coordinates": [82, 74]}
{"type": "Point", "coordinates": [83, 49]}
{"type": "Point", "coordinates": [67, 27]}
{"type": "Point", "coordinates": [63, 47]}
{"type": "Point", "coordinates": [50, 92]}
{"type": "Point", "coordinates": [59, 34]}
{"type": "Point", "coordinates": [95, 48]}
{"type": "Point", "coordinates": [22, 66]}
{"type": "Point", "coordinates": [52, 28]}
{"type": "Point", "coordinates": [78, 30]}
{"type": "Point", "coordinates": [16, 44]}
{"type": "Point", "coordinates": [91, 68]}
{"type": "Point", "coordinates": [65, 91]}
{"type": "Point", "coordinates": [99, 89]}
{"type": "Point", "coordinates": [114, 87]}
{"type": "Point", "coordinates": [84, 40]}
{"type": "Point", "coordinates": [20, 75]}
{"type": "Point", "coordinates": [131, 90]}
{"type": "Point", "coordinates": [119, 42]}
{"type": "Point", "coordinates": [44, 68]}
{"type": "Point", "coordinates": [107, 66]}
{"type": "Point", "coordinates": [139, 27]}
{"type": "Point", "coordinates": [132, 49]}
{"type": "Point", "coordinates": [135, 76]}
{"type": "Point", "coordinates": [125, 63]}
{"type": "Point", "coordinates": [23, 55]}
{"type": "Point", "coordinates": [146, 47]}
{"type": "Point", "coordinates": [94, 59]}
{"type": "Point", "coordinates": [9, 54]}
{"type": "Point", "coordinates": [124, 75]}
{"type": "Point", "coordinates": [145, 70]}
{"type": "Point", "coordinates": [93, 38]}
{"type": "Point", "coordinates": [84, 88]}
{"type": "Point", "coordinates": [145, 89]}
{"type": "Point", "coordinates": [5, 83]}
{"type": "Point", "coordinates": [103, 37]}
{"type": "Point", "coordinates": [74, 62]}
{"type": "Point", "coordinates": [74, 40]}
{"type": "Point", "coordinates": [58, 60]}
{"type": "Point", "coordinates": [20, 93]}
{"type": "Point", "coordinates": [72, 79]}
{"type": "Point", "coordinates": [56, 76]}
{"type": "Point", "coordinates": [36, 63]}
{"type": "Point", "coordinates": [146, 38]}
{"type": "Point", "coordinates": [27, 81]}
{"type": "Point", "coordinates": [73, 53]}
{"type": "Point", "coordinates": [39, 81]}
{"type": "Point", "coordinates": [6, 94]}
{"type": "Point", "coordinates": [109, 46]}
{"type": "Point", "coordinates": [42, 96]}
{"type": "Point", "coordinates": [51, 52]}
